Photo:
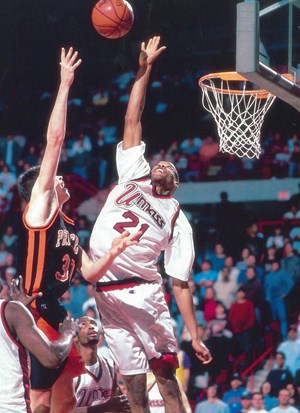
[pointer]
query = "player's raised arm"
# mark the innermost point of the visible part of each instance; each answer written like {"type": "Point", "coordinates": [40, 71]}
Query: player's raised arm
{"type": "Point", "coordinates": [133, 128]}
{"type": "Point", "coordinates": [43, 189]}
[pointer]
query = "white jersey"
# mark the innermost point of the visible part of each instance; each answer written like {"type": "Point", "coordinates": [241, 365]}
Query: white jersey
{"type": "Point", "coordinates": [94, 389]}
{"type": "Point", "coordinates": [14, 377]}
{"type": "Point", "coordinates": [134, 206]}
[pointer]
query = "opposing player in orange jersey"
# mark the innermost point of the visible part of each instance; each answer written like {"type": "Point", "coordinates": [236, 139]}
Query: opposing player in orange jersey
{"type": "Point", "coordinates": [50, 253]}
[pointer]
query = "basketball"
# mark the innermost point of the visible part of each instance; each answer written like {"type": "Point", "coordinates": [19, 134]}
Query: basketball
{"type": "Point", "coordinates": [112, 18]}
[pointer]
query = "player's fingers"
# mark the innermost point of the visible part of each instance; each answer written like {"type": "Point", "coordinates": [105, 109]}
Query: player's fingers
{"type": "Point", "coordinates": [75, 65]}
{"type": "Point", "coordinates": [73, 57]}
{"type": "Point", "coordinates": [70, 52]}
{"type": "Point", "coordinates": [63, 53]}
{"type": "Point", "coordinates": [21, 284]}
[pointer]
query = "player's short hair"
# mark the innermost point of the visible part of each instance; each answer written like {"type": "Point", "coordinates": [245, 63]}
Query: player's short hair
{"type": "Point", "coordinates": [26, 181]}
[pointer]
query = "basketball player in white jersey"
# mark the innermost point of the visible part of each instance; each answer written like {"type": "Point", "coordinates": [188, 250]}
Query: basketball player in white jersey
{"type": "Point", "coordinates": [18, 333]}
{"type": "Point", "coordinates": [130, 299]}
{"type": "Point", "coordinates": [96, 390]}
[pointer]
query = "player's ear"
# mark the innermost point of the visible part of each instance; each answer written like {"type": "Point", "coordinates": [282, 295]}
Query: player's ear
{"type": "Point", "coordinates": [176, 184]}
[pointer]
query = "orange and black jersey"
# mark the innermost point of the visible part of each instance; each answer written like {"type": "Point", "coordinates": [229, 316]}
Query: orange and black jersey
{"type": "Point", "coordinates": [48, 258]}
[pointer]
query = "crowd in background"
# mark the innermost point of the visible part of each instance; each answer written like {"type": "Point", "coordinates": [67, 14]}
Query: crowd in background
{"type": "Point", "coordinates": [245, 288]}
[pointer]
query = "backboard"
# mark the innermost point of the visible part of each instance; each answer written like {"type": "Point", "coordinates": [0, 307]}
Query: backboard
{"type": "Point", "coordinates": [268, 46]}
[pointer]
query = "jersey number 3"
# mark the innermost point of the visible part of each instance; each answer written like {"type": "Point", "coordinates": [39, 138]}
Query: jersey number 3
{"type": "Point", "coordinates": [68, 266]}
{"type": "Point", "coordinates": [132, 222]}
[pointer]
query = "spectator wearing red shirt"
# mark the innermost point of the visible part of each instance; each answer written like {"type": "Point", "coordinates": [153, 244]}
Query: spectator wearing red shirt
{"type": "Point", "coordinates": [241, 320]}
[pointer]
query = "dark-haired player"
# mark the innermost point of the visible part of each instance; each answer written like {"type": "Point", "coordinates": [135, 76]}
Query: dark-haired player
{"type": "Point", "coordinates": [49, 251]}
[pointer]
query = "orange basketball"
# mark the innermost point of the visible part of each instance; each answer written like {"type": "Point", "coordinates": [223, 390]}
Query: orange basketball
{"type": "Point", "coordinates": [112, 18]}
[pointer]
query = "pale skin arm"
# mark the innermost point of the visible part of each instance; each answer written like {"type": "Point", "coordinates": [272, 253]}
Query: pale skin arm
{"type": "Point", "coordinates": [43, 198]}
{"type": "Point", "coordinates": [133, 128]}
{"type": "Point", "coordinates": [22, 326]}
{"type": "Point", "coordinates": [185, 304]}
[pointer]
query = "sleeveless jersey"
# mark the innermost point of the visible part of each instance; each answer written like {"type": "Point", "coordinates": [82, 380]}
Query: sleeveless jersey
{"type": "Point", "coordinates": [93, 390]}
{"type": "Point", "coordinates": [133, 205]}
{"type": "Point", "coordinates": [47, 259]}
{"type": "Point", "coordinates": [14, 381]}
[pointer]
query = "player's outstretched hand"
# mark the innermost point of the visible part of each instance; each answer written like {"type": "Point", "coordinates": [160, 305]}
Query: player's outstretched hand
{"type": "Point", "coordinates": [68, 64]}
{"type": "Point", "coordinates": [150, 52]}
{"type": "Point", "coordinates": [69, 325]}
{"type": "Point", "coordinates": [202, 352]}
{"type": "Point", "coordinates": [124, 241]}
{"type": "Point", "coordinates": [18, 292]}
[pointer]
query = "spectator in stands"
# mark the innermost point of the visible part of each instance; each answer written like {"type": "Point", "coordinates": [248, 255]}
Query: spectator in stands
{"type": "Point", "coordinates": [276, 240]}
{"type": "Point", "coordinates": [293, 394]}
{"type": "Point", "coordinates": [102, 156]}
{"type": "Point", "coordinates": [246, 400]}
{"type": "Point", "coordinates": [217, 257]}
{"type": "Point", "coordinates": [279, 376]}
{"type": "Point", "coordinates": [292, 213]}
{"type": "Point", "coordinates": [284, 403]}
{"type": "Point", "coordinates": [251, 261]}
{"type": "Point", "coordinates": [277, 286]}
{"type": "Point", "coordinates": [233, 270]}
{"type": "Point", "coordinates": [80, 153]}
{"type": "Point", "coordinates": [212, 404]}
{"type": "Point", "coordinates": [257, 403]}
{"type": "Point", "coordinates": [291, 264]}
{"type": "Point", "coordinates": [209, 304]}
{"type": "Point", "coordinates": [291, 350]}
{"type": "Point", "coordinates": [3, 255]}
{"type": "Point", "coordinates": [225, 288]}
{"type": "Point", "coordinates": [10, 152]}
{"type": "Point", "coordinates": [232, 397]}
{"type": "Point", "coordinates": [253, 240]}
{"type": "Point", "coordinates": [78, 295]}
{"type": "Point", "coordinates": [7, 177]}
{"type": "Point", "coordinates": [191, 145]}
{"type": "Point", "coordinates": [206, 277]}
{"type": "Point", "coordinates": [294, 164]}
{"type": "Point", "coordinates": [254, 290]}
{"type": "Point", "coordinates": [10, 239]}
{"type": "Point", "coordinates": [294, 236]}
{"type": "Point", "coordinates": [241, 321]}
{"type": "Point", "coordinates": [242, 264]}
{"type": "Point", "coordinates": [269, 401]}
{"type": "Point", "coordinates": [220, 342]}
{"type": "Point", "coordinates": [270, 256]}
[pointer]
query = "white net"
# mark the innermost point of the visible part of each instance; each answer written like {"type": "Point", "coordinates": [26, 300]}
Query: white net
{"type": "Point", "coordinates": [238, 111]}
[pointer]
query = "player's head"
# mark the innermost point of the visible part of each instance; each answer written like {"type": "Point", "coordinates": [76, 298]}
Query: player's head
{"type": "Point", "coordinates": [28, 178]}
{"type": "Point", "coordinates": [89, 331]}
{"type": "Point", "coordinates": [165, 176]}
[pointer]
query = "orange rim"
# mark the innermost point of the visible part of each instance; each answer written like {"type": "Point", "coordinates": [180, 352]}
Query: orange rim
{"type": "Point", "coordinates": [231, 76]}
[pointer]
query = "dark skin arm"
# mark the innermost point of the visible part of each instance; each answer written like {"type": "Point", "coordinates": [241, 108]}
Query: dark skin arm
{"type": "Point", "coordinates": [22, 326]}
{"type": "Point", "coordinates": [185, 304]}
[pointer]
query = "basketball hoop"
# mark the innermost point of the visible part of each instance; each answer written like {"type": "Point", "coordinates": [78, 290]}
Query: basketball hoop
{"type": "Point", "coordinates": [238, 111]}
